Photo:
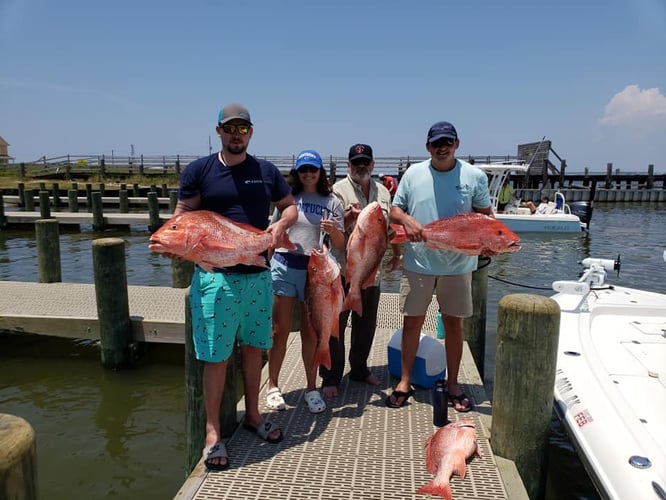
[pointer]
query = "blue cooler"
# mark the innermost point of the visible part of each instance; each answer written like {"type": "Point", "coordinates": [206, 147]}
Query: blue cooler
{"type": "Point", "coordinates": [430, 362]}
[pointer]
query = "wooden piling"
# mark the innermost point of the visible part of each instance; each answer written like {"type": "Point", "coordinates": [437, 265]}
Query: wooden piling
{"type": "Point", "coordinates": [18, 459]}
{"type": "Point", "coordinates": [195, 414]}
{"type": "Point", "coordinates": [153, 212]}
{"type": "Point", "coordinates": [89, 196]}
{"type": "Point", "coordinates": [73, 200]}
{"type": "Point", "coordinates": [181, 273]}
{"type": "Point", "coordinates": [21, 194]}
{"type": "Point", "coordinates": [97, 211]}
{"type": "Point", "coordinates": [112, 301]}
{"type": "Point", "coordinates": [3, 219]}
{"type": "Point", "coordinates": [195, 411]}
{"type": "Point", "coordinates": [56, 194]}
{"type": "Point", "coordinates": [29, 199]}
{"type": "Point", "coordinates": [527, 336]}
{"type": "Point", "coordinates": [44, 205]}
{"type": "Point", "coordinates": [123, 201]}
{"type": "Point", "coordinates": [474, 327]}
{"type": "Point", "coordinates": [173, 200]}
{"type": "Point", "coordinates": [47, 234]}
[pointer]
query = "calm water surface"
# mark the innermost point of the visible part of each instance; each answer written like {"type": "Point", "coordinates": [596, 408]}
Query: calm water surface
{"type": "Point", "coordinates": [121, 434]}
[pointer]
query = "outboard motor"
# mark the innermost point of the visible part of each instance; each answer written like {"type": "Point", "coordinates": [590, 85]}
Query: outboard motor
{"type": "Point", "coordinates": [583, 209]}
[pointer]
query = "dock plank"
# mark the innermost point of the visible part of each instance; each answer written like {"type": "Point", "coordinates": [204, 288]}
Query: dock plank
{"type": "Point", "coordinates": [69, 310]}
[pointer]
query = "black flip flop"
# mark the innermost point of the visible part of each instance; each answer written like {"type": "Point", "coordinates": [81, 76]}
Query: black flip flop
{"type": "Point", "coordinates": [397, 395]}
{"type": "Point", "coordinates": [458, 400]}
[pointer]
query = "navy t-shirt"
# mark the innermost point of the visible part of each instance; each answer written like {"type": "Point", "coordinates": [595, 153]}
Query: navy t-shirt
{"type": "Point", "coordinates": [243, 192]}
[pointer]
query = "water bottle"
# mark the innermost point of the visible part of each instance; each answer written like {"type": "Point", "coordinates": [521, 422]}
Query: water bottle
{"type": "Point", "coordinates": [440, 404]}
{"type": "Point", "coordinates": [440, 326]}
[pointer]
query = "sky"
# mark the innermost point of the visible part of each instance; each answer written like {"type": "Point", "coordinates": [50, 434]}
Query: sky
{"type": "Point", "coordinates": [84, 77]}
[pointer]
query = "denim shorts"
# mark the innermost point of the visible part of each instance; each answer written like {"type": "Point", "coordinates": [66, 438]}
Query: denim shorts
{"type": "Point", "coordinates": [229, 308]}
{"type": "Point", "coordinates": [289, 273]}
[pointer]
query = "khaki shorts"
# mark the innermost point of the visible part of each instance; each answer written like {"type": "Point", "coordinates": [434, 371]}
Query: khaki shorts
{"type": "Point", "coordinates": [454, 294]}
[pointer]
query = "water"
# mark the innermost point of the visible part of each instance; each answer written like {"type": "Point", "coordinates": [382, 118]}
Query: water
{"type": "Point", "coordinates": [121, 434]}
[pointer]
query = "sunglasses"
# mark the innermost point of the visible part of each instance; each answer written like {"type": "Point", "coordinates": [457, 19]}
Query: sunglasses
{"type": "Point", "coordinates": [307, 169]}
{"type": "Point", "coordinates": [232, 129]}
{"type": "Point", "coordinates": [444, 141]}
{"type": "Point", "coordinates": [361, 161]}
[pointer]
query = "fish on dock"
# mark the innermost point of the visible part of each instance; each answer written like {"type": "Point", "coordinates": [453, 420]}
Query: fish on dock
{"type": "Point", "coordinates": [365, 249]}
{"type": "Point", "coordinates": [471, 234]}
{"type": "Point", "coordinates": [447, 451]}
{"type": "Point", "coordinates": [323, 298]}
{"type": "Point", "coordinates": [203, 236]}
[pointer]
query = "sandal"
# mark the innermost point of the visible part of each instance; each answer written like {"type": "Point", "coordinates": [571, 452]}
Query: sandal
{"type": "Point", "coordinates": [396, 395]}
{"type": "Point", "coordinates": [264, 430]}
{"type": "Point", "coordinates": [315, 402]}
{"type": "Point", "coordinates": [458, 400]}
{"type": "Point", "coordinates": [218, 450]}
{"type": "Point", "coordinates": [274, 399]}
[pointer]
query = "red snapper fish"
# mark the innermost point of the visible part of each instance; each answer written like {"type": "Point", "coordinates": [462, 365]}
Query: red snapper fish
{"type": "Point", "coordinates": [471, 234]}
{"type": "Point", "coordinates": [207, 237]}
{"type": "Point", "coordinates": [365, 249]}
{"type": "Point", "coordinates": [446, 453]}
{"type": "Point", "coordinates": [323, 297]}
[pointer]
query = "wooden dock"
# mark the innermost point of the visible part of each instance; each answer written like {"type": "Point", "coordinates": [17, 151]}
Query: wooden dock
{"type": "Point", "coordinates": [78, 218]}
{"type": "Point", "coordinates": [356, 449]}
{"type": "Point", "coordinates": [157, 314]}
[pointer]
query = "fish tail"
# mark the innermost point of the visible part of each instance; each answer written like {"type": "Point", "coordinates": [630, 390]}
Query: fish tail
{"type": "Point", "coordinates": [322, 357]}
{"type": "Point", "coordinates": [353, 301]}
{"type": "Point", "coordinates": [443, 490]}
{"type": "Point", "coordinates": [400, 234]}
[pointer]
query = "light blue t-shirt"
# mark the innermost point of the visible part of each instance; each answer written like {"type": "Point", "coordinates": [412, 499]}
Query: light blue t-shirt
{"type": "Point", "coordinates": [427, 195]}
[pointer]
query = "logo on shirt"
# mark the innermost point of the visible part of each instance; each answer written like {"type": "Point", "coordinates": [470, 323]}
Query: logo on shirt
{"type": "Point", "coordinates": [254, 181]}
{"type": "Point", "coordinates": [464, 187]}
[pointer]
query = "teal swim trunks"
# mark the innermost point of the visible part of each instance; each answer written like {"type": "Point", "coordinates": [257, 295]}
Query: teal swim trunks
{"type": "Point", "coordinates": [229, 308]}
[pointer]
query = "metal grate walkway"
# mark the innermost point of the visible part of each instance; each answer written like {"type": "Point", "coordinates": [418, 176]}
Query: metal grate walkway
{"type": "Point", "coordinates": [358, 448]}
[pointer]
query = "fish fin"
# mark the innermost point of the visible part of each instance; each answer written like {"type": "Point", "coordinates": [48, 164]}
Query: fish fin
{"type": "Point", "coordinates": [353, 301]}
{"type": "Point", "coordinates": [431, 464]}
{"type": "Point", "coordinates": [459, 467]}
{"type": "Point", "coordinates": [370, 280]}
{"type": "Point", "coordinates": [443, 490]}
{"type": "Point", "coordinates": [285, 242]}
{"type": "Point", "coordinates": [248, 227]}
{"type": "Point", "coordinates": [400, 234]}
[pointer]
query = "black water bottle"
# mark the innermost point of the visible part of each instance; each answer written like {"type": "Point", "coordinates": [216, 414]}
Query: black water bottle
{"type": "Point", "coordinates": [440, 403]}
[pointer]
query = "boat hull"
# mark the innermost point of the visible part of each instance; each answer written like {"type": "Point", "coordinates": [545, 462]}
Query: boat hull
{"type": "Point", "coordinates": [610, 387]}
{"type": "Point", "coordinates": [534, 223]}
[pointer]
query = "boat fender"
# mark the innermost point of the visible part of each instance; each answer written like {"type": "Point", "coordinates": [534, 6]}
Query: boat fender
{"type": "Point", "coordinates": [571, 287]}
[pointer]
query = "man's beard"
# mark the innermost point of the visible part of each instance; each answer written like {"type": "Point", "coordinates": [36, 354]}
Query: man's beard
{"type": "Point", "coordinates": [235, 149]}
{"type": "Point", "coordinates": [360, 176]}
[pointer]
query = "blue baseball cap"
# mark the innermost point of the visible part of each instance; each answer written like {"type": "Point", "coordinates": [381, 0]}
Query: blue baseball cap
{"type": "Point", "coordinates": [442, 130]}
{"type": "Point", "coordinates": [308, 157]}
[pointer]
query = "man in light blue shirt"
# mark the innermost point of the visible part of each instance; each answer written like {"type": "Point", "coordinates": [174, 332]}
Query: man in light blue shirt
{"type": "Point", "coordinates": [442, 186]}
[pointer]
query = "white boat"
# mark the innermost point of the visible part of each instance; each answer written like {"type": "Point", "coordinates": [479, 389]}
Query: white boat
{"type": "Point", "coordinates": [610, 385]}
{"type": "Point", "coordinates": [557, 218]}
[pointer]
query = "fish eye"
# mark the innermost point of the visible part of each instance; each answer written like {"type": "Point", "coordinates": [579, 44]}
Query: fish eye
{"type": "Point", "coordinates": [174, 226]}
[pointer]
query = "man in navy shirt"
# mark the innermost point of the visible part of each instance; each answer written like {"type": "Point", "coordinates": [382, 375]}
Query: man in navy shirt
{"type": "Point", "coordinates": [234, 304]}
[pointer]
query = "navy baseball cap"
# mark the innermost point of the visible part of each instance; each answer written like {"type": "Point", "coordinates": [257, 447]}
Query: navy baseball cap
{"type": "Point", "coordinates": [308, 157]}
{"type": "Point", "coordinates": [233, 112]}
{"type": "Point", "coordinates": [360, 151]}
{"type": "Point", "coordinates": [442, 130]}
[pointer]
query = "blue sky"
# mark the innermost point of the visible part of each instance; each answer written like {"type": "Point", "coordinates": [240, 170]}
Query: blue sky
{"type": "Point", "coordinates": [88, 77]}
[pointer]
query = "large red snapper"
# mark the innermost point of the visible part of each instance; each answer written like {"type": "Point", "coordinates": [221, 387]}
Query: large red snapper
{"type": "Point", "coordinates": [323, 298]}
{"type": "Point", "coordinates": [471, 234]}
{"type": "Point", "coordinates": [446, 453]}
{"type": "Point", "coordinates": [207, 237]}
{"type": "Point", "coordinates": [365, 249]}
